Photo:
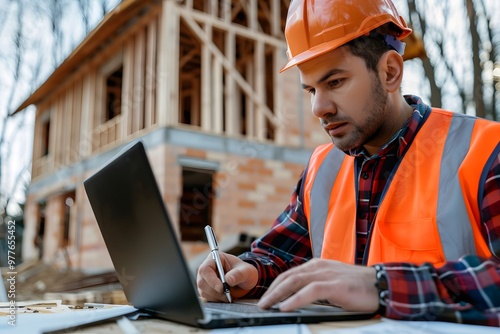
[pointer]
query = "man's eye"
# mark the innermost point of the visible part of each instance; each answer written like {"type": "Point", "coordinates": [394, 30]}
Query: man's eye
{"type": "Point", "coordinates": [335, 83]}
{"type": "Point", "coordinates": [311, 91]}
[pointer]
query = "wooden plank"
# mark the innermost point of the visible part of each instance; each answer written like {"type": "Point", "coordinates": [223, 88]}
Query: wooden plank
{"type": "Point", "coordinates": [56, 133]}
{"type": "Point", "coordinates": [196, 102]}
{"type": "Point", "coordinates": [128, 88]}
{"type": "Point", "coordinates": [149, 87]}
{"type": "Point", "coordinates": [138, 80]}
{"type": "Point", "coordinates": [206, 82]}
{"type": "Point", "coordinates": [87, 112]}
{"type": "Point", "coordinates": [232, 112]}
{"type": "Point", "coordinates": [100, 109]}
{"type": "Point", "coordinates": [65, 142]}
{"type": "Point", "coordinates": [279, 103]}
{"type": "Point", "coordinates": [253, 15]}
{"type": "Point", "coordinates": [93, 111]}
{"type": "Point", "coordinates": [250, 104]}
{"type": "Point", "coordinates": [168, 66]}
{"type": "Point", "coordinates": [218, 95]}
{"type": "Point", "coordinates": [276, 19]}
{"type": "Point", "coordinates": [260, 87]}
{"type": "Point", "coordinates": [226, 11]}
{"type": "Point", "coordinates": [187, 57]}
{"type": "Point", "coordinates": [37, 147]}
{"type": "Point", "coordinates": [76, 118]}
{"type": "Point", "coordinates": [213, 8]}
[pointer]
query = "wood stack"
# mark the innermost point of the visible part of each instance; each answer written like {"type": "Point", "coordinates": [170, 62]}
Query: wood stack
{"type": "Point", "coordinates": [41, 281]}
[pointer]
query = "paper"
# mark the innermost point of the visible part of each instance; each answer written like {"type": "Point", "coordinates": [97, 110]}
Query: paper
{"type": "Point", "coordinates": [275, 329]}
{"type": "Point", "coordinates": [38, 323]}
{"type": "Point", "coordinates": [387, 326]}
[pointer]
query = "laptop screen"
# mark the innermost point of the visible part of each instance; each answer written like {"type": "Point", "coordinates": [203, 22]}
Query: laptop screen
{"type": "Point", "coordinates": [139, 236]}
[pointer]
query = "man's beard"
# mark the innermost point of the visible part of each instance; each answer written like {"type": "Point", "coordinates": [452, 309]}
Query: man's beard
{"type": "Point", "coordinates": [372, 125]}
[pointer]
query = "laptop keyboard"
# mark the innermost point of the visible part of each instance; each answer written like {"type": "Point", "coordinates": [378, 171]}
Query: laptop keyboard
{"type": "Point", "coordinates": [240, 307]}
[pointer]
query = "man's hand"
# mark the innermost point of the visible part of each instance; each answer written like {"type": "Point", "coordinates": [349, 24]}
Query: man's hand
{"type": "Point", "coordinates": [240, 276]}
{"type": "Point", "coordinates": [348, 286]}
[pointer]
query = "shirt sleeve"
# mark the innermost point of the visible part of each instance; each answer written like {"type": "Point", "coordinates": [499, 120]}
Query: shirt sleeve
{"type": "Point", "coordinates": [290, 232]}
{"type": "Point", "coordinates": [464, 291]}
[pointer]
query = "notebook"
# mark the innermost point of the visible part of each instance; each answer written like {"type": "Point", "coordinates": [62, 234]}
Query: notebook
{"type": "Point", "coordinates": [148, 258]}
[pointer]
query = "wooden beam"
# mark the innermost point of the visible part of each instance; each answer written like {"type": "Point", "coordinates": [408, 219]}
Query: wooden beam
{"type": "Point", "coordinates": [206, 83]}
{"type": "Point", "coordinates": [65, 143]}
{"type": "Point", "coordinates": [226, 11]}
{"type": "Point", "coordinates": [203, 18]}
{"type": "Point", "coordinates": [57, 135]}
{"type": "Point", "coordinates": [233, 116]}
{"type": "Point", "coordinates": [275, 18]}
{"type": "Point", "coordinates": [127, 90]}
{"type": "Point", "coordinates": [186, 58]}
{"type": "Point", "coordinates": [137, 93]}
{"type": "Point", "coordinates": [196, 102]}
{"type": "Point", "coordinates": [250, 105]}
{"type": "Point", "coordinates": [260, 87]}
{"type": "Point", "coordinates": [278, 102]}
{"type": "Point", "coordinates": [150, 83]}
{"type": "Point", "coordinates": [218, 95]}
{"type": "Point", "coordinates": [88, 111]}
{"type": "Point", "coordinates": [100, 107]}
{"type": "Point", "coordinates": [253, 15]}
{"type": "Point", "coordinates": [189, 20]}
{"type": "Point", "coordinates": [76, 122]}
{"type": "Point", "coordinates": [167, 93]}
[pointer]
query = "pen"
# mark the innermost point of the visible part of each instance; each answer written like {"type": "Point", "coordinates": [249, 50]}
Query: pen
{"type": "Point", "coordinates": [214, 250]}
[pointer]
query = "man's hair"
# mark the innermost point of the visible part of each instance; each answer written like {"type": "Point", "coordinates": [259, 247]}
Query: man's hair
{"type": "Point", "coordinates": [371, 47]}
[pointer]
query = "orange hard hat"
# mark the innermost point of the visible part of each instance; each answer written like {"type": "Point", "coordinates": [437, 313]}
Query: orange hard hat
{"type": "Point", "coordinates": [314, 27]}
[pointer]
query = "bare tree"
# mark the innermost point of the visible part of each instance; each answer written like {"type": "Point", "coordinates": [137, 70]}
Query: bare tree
{"type": "Point", "coordinates": [56, 11]}
{"type": "Point", "coordinates": [417, 20]}
{"type": "Point", "coordinates": [477, 85]}
{"type": "Point", "coordinates": [492, 49]}
{"type": "Point", "coordinates": [37, 39]}
{"type": "Point", "coordinates": [16, 63]}
{"type": "Point", "coordinates": [83, 7]}
{"type": "Point", "coordinates": [462, 44]}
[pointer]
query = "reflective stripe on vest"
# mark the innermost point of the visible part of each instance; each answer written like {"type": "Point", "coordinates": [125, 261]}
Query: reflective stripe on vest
{"type": "Point", "coordinates": [444, 142]}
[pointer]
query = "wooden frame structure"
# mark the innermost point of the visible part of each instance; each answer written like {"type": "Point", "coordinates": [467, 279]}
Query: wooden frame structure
{"type": "Point", "coordinates": [206, 64]}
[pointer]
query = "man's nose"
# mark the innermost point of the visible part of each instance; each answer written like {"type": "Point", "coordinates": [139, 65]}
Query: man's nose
{"type": "Point", "coordinates": [322, 105]}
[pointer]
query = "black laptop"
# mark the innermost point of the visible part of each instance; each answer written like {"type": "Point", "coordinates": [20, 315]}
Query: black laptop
{"type": "Point", "coordinates": [148, 259]}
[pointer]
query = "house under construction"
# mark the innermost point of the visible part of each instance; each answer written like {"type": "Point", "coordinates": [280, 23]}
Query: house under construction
{"type": "Point", "coordinates": [198, 82]}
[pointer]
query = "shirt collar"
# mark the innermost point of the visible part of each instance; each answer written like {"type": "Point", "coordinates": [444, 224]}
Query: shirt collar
{"type": "Point", "coordinates": [401, 138]}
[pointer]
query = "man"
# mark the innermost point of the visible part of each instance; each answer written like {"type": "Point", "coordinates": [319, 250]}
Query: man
{"type": "Point", "coordinates": [401, 213]}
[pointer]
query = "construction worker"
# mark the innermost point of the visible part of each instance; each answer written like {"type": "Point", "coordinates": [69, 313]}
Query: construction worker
{"type": "Point", "coordinates": [400, 213]}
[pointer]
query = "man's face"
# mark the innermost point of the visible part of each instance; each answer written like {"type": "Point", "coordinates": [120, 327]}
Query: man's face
{"type": "Point", "coordinates": [349, 100]}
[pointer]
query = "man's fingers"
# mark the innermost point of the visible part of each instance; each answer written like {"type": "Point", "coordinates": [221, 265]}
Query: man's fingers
{"type": "Point", "coordinates": [284, 288]}
{"type": "Point", "coordinates": [207, 277]}
{"type": "Point", "coordinates": [242, 276]}
{"type": "Point", "coordinates": [309, 294]}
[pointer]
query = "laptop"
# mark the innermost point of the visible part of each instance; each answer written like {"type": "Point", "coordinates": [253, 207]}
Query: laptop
{"type": "Point", "coordinates": [148, 258]}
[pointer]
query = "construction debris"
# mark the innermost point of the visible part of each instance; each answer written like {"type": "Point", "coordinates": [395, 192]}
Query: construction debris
{"type": "Point", "coordinates": [37, 280]}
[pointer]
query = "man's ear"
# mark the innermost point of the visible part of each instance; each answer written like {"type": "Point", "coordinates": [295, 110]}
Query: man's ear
{"type": "Point", "coordinates": [391, 66]}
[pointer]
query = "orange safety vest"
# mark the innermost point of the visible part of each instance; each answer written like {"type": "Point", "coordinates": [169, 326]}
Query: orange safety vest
{"type": "Point", "coordinates": [429, 211]}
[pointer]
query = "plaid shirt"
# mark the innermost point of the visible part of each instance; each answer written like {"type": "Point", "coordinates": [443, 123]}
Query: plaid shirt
{"type": "Point", "coordinates": [467, 290]}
